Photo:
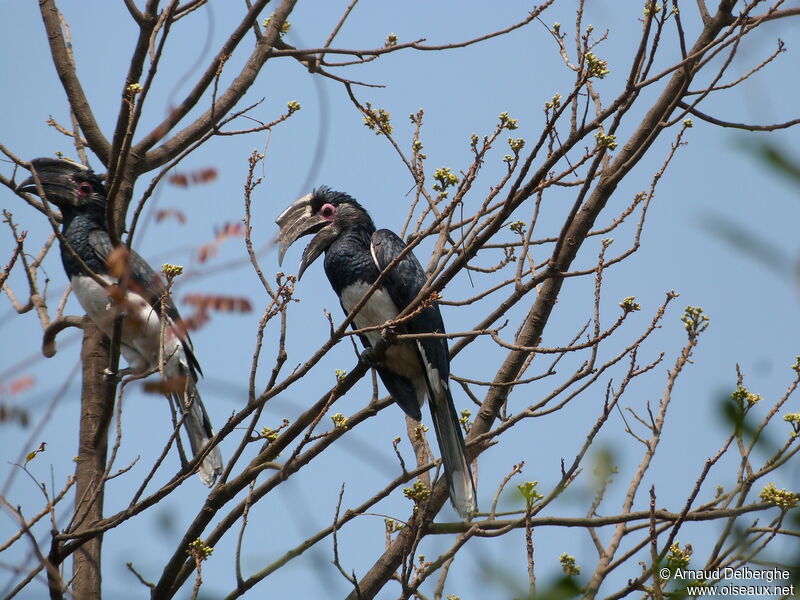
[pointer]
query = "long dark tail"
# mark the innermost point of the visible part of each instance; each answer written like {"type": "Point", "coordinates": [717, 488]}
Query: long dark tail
{"type": "Point", "coordinates": [451, 444]}
{"type": "Point", "coordinates": [200, 431]}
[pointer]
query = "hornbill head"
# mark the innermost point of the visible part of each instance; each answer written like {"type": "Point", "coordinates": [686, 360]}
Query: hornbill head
{"type": "Point", "coordinates": [66, 184]}
{"type": "Point", "coordinates": [324, 212]}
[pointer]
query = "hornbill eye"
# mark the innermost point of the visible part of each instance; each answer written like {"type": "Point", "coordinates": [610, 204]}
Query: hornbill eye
{"type": "Point", "coordinates": [85, 188]}
{"type": "Point", "coordinates": [327, 211]}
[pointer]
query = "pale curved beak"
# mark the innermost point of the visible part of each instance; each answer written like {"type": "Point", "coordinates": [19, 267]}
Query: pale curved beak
{"type": "Point", "coordinates": [297, 221]}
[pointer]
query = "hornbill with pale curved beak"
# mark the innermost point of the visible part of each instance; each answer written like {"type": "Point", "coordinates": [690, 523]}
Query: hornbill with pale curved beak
{"type": "Point", "coordinates": [81, 196]}
{"type": "Point", "coordinates": [355, 255]}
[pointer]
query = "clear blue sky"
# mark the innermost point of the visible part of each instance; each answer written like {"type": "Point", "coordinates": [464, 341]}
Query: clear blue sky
{"type": "Point", "coordinates": [753, 309]}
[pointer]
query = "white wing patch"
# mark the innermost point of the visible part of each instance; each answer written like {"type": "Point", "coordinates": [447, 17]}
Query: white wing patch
{"type": "Point", "coordinates": [432, 372]}
{"type": "Point", "coordinates": [374, 258]}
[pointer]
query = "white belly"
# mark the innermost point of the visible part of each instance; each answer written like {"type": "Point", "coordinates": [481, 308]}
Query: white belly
{"type": "Point", "coordinates": [141, 328]}
{"type": "Point", "coordinates": [378, 310]}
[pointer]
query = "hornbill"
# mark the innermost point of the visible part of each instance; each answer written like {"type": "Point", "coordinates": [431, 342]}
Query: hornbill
{"type": "Point", "coordinates": [355, 255]}
{"type": "Point", "coordinates": [81, 196]}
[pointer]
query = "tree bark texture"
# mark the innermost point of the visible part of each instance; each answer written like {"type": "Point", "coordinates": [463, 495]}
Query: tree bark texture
{"type": "Point", "coordinates": [97, 403]}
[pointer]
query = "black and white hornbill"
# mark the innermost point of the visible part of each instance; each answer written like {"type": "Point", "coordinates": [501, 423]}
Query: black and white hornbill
{"type": "Point", "coordinates": [355, 255]}
{"type": "Point", "coordinates": [81, 196]}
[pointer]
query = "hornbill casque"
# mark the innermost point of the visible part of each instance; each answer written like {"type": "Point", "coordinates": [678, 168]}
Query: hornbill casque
{"type": "Point", "coordinates": [81, 196]}
{"type": "Point", "coordinates": [355, 255]}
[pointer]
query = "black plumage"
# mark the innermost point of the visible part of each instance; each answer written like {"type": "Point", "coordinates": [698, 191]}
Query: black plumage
{"type": "Point", "coordinates": [81, 196]}
{"type": "Point", "coordinates": [413, 371]}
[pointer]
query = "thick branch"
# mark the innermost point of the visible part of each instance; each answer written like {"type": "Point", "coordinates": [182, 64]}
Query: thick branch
{"type": "Point", "coordinates": [226, 101]}
{"type": "Point", "coordinates": [69, 80]}
{"type": "Point", "coordinates": [96, 394]}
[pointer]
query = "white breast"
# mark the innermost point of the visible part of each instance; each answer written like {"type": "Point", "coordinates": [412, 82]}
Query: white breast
{"type": "Point", "coordinates": [93, 299]}
{"type": "Point", "coordinates": [378, 309]}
